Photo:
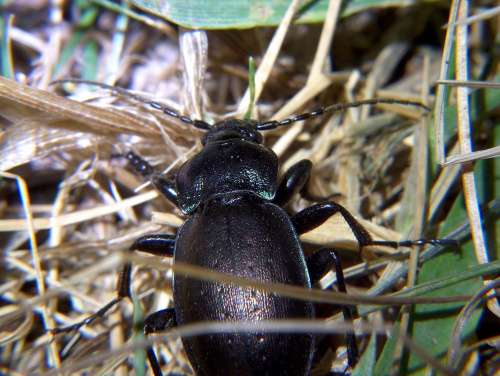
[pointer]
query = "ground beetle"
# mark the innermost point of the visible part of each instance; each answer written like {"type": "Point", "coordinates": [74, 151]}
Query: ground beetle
{"type": "Point", "coordinates": [237, 225]}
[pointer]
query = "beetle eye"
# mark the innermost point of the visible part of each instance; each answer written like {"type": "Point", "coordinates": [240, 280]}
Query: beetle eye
{"type": "Point", "coordinates": [204, 137]}
{"type": "Point", "coordinates": [255, 136]}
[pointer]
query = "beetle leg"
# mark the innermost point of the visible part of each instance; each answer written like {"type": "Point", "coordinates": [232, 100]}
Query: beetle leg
{"type": "Point", "coordinates": [160, 245]}
{"type": "Point", "coordinates": [315, 215]}
{"type": "Point", "coordinates": [88, 320]}
{"type": "Point", "coordinates": [137, 163]}
{"type": "Point", "coordinates": [155, 323]}
{"type": "Point", "coordinates": [166, 188]}
{"type": "Point", "coordinates": [419, 242]}
{"type": "Point", "coordinates": [294, 180]}
{"type": "Point", "coordinates": [320, 263]}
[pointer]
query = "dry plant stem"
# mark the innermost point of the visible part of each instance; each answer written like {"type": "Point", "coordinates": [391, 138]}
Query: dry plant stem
{"type": "Point", "coordinates": [262, 74]}
{"type": "Point", "coordinates": [454, 353]}
{"type": "Point", "coordinates": [441, 89]}
{"type": "Point", "coordinates": [305, 94]}
{"type": "Point", "coordinates": [325, 41]}
{"type": "Point", "coordinates": [316, 81]}
{"type": "Point", "coordinates": [473, 84]}
{"type": "Point", "coordinates": [53, 355]}
{"type": "Point", "coordinates": [280, 326]}
{"type": "Point", "coordinates": [8, 46]}
{"type": "Point", "coordinates": [115, 259]}
{"type": "Point", "coordinates": [446, 179]}
{"type": "Point", "coordinates": [383, 66]}
{"type": "Point", "coordinates": [464, 137]}
{"type": "Point", "coordinates": [194, 53]}
{"type": "Point", "coordinates": [473, 156]}
{"type": "Point", "coordinates": [50, 55]}
{"type": "Point", "coordinates": [420, 162]}
{"type": "Point", "coordinates": [118, 42]}
{"type": "Point", "coordinates": [422, 132]}
{"type": "Point", "coordinates": [56, 235]}
{"type": "Point", "coordinates": [117, 341]}
{"type": "Point", "coordinates": [295, 292]}
{"type": "Point", "coordinates": [7, 225]}
{"type": "Point", "coordinates": [478, 17]}
{"type": "Point", "coordinates": [60, 202]}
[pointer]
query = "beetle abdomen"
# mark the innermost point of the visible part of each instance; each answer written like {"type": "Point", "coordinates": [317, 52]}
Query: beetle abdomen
{"type": "Point", "coordinates": [255, 240]}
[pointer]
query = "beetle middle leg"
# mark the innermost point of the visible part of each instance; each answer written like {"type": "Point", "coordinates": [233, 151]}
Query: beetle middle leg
{"type": "Point", "coordinates": [296, 180]}
{"type": "Point", "coordinates": [159, 245]}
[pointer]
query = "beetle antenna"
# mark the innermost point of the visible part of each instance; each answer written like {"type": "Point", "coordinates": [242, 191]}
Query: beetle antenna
{"type": "Point", "coordinates": [273, 124]}
{"type": "Point", "coordinates": [200, 124]}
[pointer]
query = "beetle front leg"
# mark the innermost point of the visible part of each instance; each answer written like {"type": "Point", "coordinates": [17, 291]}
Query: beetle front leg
{"type": "Point", "coordinates": [137, 163]}
{"type": "Point", "coordinates": [319, 264]}
{"type": "Point", "coordinates": [294, 180]}
{"type": "Point", "coordinates": [166, 188]}
{"type": "Point", "coordinates": [155, 323]}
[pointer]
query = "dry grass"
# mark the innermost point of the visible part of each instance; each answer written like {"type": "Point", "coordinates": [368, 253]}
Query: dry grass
{"type": "Point", "coordinates": [63, 229]}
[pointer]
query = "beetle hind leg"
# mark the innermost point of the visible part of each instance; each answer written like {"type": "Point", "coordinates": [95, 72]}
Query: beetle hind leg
{"type": "Point", "coordinates": [319, 264]}
{"type": "Point", "coordinates": [156, 323]}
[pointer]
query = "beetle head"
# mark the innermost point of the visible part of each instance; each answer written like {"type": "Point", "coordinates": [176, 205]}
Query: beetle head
{"type": "Point", "coordinates": [230, 129]}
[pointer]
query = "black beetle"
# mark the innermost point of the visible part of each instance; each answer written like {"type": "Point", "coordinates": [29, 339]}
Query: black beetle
{"type": "Point", "coordinates": [237, 225]}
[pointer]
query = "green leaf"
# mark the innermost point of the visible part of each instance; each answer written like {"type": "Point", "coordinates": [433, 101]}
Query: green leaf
{"type": "Point", "coordinates": [140, 358]}
{"type": "Point", "coordinates": [433, 325]}
{"type": "Point", "coordinates": [366, 364]}
{"type": "Point", "coordinates": [243, 14]}
{"type": "Point", "coordinates": [384, 363]}
{"type": "Point", "coordinates": [7, 70]}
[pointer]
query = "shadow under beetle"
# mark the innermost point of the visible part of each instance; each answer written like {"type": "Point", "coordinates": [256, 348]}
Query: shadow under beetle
{"type": "Point", "coordinates": [237, 225]}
